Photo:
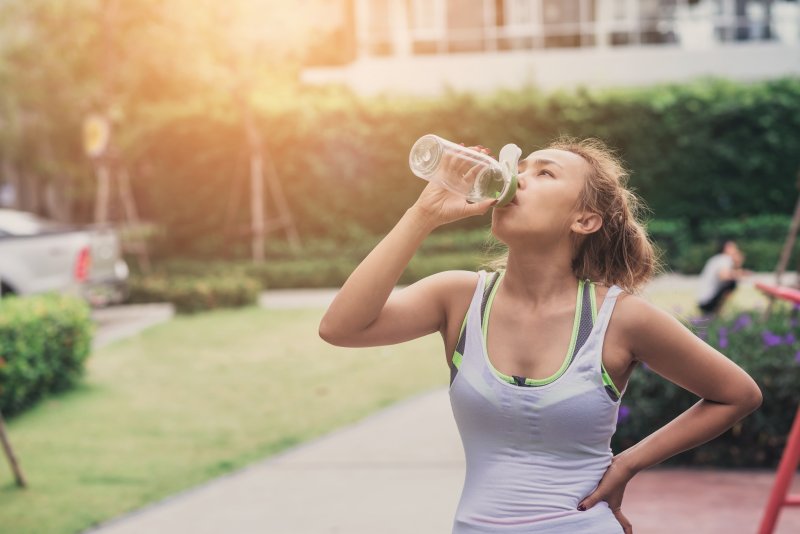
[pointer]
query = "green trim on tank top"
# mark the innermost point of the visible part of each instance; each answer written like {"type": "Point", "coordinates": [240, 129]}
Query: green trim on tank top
{"type": "Point", "coordinates": [458, 357]}
{"type": "Point", "coordinates": [573, 338]}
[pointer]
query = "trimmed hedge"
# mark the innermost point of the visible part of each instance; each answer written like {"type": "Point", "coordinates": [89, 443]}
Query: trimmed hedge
{"type": "Point", "coordinates": [287, 273]}
{"type": "Point", "coordinates": [700, 151]}
{"type": "Point", "coordinates": [768, 351]}
{"type": "Point", "coordinates": [191, 294]}
{"type": "Point", "coordinates": [761, 238]}
{"type": "Point", "coordinates": [327, 263]}
{"type": "Point", "coordinates": [44, 342]}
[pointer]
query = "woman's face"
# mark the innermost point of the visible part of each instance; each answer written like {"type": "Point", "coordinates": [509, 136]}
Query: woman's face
{"type": "Point", "coordinates": [550, 182]}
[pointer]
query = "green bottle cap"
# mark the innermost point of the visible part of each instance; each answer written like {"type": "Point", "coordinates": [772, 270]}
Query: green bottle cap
{"type": "Point", "coordinates": [509, 161]}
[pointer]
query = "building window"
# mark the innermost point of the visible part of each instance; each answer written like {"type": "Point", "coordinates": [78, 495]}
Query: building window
{"type": "Point", "coordinates": [426, 21]}
{"type": "Point", "coordinates": [642, 21]}
{"type": "Point", "coordinates": [549, 23]}
{"type": "Point", "coordinates": [467, 26]}
{"type": "Point", "coordinates": [388, 27]}
{"type": "Point", "coordinates": [568, 23]}
{"type": "Point", "coordinates": [378, 27]}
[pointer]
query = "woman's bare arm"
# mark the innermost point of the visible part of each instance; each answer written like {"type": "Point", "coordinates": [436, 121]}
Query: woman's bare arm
{"type": "Point", "coordinates": [670, 349]}
{"type": "Point", "coordinates": [360, 315]}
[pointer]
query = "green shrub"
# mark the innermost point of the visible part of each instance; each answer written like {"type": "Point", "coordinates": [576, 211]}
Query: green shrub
{"type": "Point", "coordinates": [421, 265]}
{"type": "Point", "coordinates": [671, 238]}
{"type": "Point", "coordinates": [303, 272]}
{"type": "Point", "coordinates": [698, 152]}
{"type": "Point", "coordinates": [760, 255]}
{"type": "Point", "coordinates": [768, 351]}
{"type": "Point", "coordinates": [762, 227]}
{"type": "Point", "coordinates": [44, 341]}
{"type": "Point", "coordinates": [695, 256]}
{"type": "Point", "coordinates": [325, 262]}
{"type": "Point", "coordinates": [190, 294]}
{"type": "Point", "coordinates": [308, 272]}
{"type": "Point", "coordinates": [761, 239]}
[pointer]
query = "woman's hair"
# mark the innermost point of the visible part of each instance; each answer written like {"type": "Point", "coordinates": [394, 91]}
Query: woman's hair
{"type": "Point", "coordinates": [620, 252]}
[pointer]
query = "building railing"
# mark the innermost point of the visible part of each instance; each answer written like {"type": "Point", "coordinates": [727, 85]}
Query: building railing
{"type": "Point", "coordinates": [681, 26]}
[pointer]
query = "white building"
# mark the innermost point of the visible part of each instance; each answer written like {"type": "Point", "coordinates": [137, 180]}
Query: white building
{"type": "Point", "coordinates": [424, 46]}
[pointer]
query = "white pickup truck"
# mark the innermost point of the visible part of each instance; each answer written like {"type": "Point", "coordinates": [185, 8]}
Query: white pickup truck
{"type": "Point", "coordinates": [39, 255]}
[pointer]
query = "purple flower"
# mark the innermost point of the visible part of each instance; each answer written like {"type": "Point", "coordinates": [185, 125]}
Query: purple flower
{"type": "Point", "coordinates": [743, 321]}
{"type": "Point", "coordinates": [723, 342]}
{"type": "Point", "coordinates": [797, 356]}
{"type": "Point", "coordinates": [770, 339]}
{"type": "Point", "coordinates": [789, 339]}
{"type": "Point", "coordinates": [624, 413]}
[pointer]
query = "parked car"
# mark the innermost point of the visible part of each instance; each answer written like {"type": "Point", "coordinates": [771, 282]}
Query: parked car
{"type": "Point", "coordinates": [39, 255]}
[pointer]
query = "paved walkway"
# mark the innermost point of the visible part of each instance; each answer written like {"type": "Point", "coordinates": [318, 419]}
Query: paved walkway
{"type": "Point", "coordinates": [321, 298]}
{"type": "Point", "coordinates": [117, 322]}
{"type": "Point", "coordinates": [401, 470]}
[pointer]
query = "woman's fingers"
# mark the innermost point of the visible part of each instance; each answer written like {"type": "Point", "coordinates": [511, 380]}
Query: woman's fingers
{"type": "Point", "coordinates": [627, 527]}
{"type": "Point", "coordinates": [479, 208]}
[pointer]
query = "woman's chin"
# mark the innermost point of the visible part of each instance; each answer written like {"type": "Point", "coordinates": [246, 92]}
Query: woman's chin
{"type": "Point", "coordinates": [500, 229]}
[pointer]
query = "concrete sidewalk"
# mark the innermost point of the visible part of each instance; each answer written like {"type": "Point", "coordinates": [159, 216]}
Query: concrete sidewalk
{"type": "Point", "coordinates": [118, 322]}
{"type": "Point", "coordinates": [322, 297]}
{"type": "Point", "coordinates": [401, 471]}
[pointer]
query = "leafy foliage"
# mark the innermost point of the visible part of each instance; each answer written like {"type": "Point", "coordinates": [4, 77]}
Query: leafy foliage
{"type": "Point", "coordinates": [172, 76]}
{"type": "Point", "coordinates": [44, 342]}
{"type": "Point", "coordinates": [768, 351]}
{"type": "Point", "coordinates": [192, 294]}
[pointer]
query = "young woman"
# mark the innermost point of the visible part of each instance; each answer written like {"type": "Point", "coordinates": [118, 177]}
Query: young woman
{"type": "Point", "coordinates": [540, 351]}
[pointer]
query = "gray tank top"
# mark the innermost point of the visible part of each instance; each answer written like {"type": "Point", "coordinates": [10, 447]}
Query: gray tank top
{"type": "Point", "coordinates": [533, 452]}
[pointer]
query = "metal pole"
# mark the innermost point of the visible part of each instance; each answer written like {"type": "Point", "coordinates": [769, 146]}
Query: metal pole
{"type": "Point", "coordinates": [790, 239]}
{"type": "Point", "coordinates": [779, 497]}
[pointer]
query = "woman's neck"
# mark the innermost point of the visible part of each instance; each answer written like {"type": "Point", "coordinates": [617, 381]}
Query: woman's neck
{"type": "Point", "coordinates": [539, 279]}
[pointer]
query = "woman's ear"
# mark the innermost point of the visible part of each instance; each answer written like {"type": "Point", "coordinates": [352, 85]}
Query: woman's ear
{"type": "Point", "coordinates": [587, 223]}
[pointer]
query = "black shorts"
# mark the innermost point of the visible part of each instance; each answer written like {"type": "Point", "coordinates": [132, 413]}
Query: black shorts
{"type": "Point", "coordinates": [713, 304]}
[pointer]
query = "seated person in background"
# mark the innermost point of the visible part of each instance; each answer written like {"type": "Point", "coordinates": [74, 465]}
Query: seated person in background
{"type": "Point", "coordinates": [719, 277]}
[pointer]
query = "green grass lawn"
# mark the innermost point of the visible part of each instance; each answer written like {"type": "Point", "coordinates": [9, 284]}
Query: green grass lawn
{"type": "Point", "coordinates": [193, 399]}
{"type": "Point", "coordinates": [201, 396]}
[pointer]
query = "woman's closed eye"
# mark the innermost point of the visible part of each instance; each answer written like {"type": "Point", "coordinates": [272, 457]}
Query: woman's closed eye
{"type": "Point", "coordinates": [545, 171]}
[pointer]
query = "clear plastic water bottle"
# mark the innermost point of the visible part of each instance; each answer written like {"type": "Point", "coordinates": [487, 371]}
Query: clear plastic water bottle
{"type": "Point", "coordinates": [474, 175]}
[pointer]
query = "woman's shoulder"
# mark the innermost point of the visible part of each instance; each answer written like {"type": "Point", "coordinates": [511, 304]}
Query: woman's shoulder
{"type": "Point", "coordinates": [457, 288]}
{"type": "Point", "coordinates": [634, 314]}
{"type": "Point", "coordinates": [627, 322]}
{"type": "Point", "coordinates": [454, 286]}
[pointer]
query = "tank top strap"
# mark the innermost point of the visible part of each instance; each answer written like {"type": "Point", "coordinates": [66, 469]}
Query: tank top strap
{"type": "Point", "coordinates": [595, 348]}
{"type": "Point", "coordinates": [478, 304]}
{"type": "Point", "coordinates": [474, 309]}
{"type": "Point", "coordinates": [604, 313]}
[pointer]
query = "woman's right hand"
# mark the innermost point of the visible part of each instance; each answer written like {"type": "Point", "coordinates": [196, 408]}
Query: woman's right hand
{"type": "Point", "coordinates": [441, 206]}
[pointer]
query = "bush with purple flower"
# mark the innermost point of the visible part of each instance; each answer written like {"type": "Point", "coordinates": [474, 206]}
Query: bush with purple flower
{"type": "Point", "coordinates": [769, 351]}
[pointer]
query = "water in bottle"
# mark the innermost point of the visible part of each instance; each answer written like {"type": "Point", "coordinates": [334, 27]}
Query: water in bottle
{"type": "Point", "coordinates": [474, 175]}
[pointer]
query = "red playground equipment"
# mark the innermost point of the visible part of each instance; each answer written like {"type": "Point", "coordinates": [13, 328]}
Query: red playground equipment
{"type": "Point", "coordinates": [779, 496]}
